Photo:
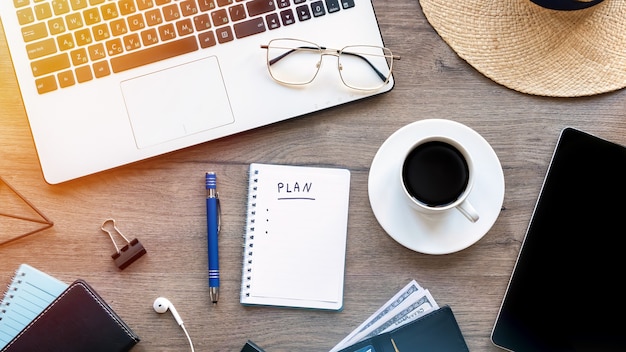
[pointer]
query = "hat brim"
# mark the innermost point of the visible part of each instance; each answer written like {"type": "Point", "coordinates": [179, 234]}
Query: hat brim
{"type": "Point", "coordinates": [534, 50]}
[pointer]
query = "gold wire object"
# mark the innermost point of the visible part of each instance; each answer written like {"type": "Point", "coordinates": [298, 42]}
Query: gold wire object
{"type": "Point", "coordinates": [395, 348]}
{"type": "Point", "coordinates": [377, 58]}
{"type": "Point", "coordinates": [45, 221]}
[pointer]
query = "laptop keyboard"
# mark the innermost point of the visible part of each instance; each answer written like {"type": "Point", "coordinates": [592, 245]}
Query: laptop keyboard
{"type": "Point", "coordinates": [75, 41]}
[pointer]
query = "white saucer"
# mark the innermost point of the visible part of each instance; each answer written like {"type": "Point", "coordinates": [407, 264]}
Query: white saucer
{"type": "Point", "coordinates": [435, 234]}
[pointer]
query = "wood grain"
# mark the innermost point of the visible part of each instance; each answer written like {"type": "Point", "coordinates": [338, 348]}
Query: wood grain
{"type": "Point", "coordinates": [160, 201]}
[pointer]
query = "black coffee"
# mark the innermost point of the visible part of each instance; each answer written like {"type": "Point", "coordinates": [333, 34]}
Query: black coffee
{"type": "Point", "coordinates": [435, 173]}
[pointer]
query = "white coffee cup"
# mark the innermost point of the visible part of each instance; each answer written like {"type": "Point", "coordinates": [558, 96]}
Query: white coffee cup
{"type": "Point", "coordinates": [437, 175]}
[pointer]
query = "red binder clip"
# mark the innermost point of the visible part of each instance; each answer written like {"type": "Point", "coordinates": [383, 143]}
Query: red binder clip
{"type": "Point", "coordinates": [129, 253]}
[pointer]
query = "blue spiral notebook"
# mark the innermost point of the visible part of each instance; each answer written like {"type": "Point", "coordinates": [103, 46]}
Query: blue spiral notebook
{"type": "Point", "coordinates": [28, 294]}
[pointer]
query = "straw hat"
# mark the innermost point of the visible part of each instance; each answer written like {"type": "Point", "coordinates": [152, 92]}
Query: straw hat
{"type": "Point", "coordinates": [534, 50]}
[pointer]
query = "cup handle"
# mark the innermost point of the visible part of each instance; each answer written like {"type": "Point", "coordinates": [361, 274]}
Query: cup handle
{"type": "Point", "coordinates": [468, 210]}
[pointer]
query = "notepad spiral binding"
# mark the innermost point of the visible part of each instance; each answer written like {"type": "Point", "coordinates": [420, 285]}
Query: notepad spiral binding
{"type": "Point", "coordinates": [8, 293]}
{"type": "Point", "coordinates": [249, 233]}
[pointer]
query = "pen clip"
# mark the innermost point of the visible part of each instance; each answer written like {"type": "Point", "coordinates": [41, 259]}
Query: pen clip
{"type": "Point", "coordinates": [219, 212]}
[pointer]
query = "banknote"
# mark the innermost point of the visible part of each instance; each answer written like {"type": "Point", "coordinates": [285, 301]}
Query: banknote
{"type": "Point", "coordinates": [403, 314]}
{"type": "Point", "coordinates": [406, 297]}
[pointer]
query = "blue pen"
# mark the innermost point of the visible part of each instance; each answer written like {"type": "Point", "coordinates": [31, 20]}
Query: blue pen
{"type": "Point", "coordinates": [213, 228]}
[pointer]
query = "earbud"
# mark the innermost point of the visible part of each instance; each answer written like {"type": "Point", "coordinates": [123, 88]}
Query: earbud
{"type": "Point", "coordinates": [162, 304]}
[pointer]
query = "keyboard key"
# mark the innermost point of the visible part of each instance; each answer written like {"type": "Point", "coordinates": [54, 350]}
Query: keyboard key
{"type": "Point", "coordinates": [101, 32]}
{"type": "Point", "coordinates": [171, 12]}
{"type": "Point", "coordinates": [149, 37]}
{"type": "Point", "coordinates": [154, 17]}
{"type": "Point", "coordinates": [189, 7]}
{"type": "Point", "coordinates": [237, 12]}
{"type": "Point", "coordinates": [60, 7]}
{"type": "Point", "coordinates": [346, 4]}
{"type": "Point", "coordinates": [318, 9]}
{"type": "Point", "coordinates": [127, 7]}
{"type": "Point", "coordinates": [25, 16]}
{"type": "Point", "coordinates": [153, 54]}
{"type": "Point", "coordinates": [250, 27]}
{"type": "Point", "coordinates": [46, 84]}
{"type": "Point", "coordinates": [287, 17]}
{"type": "Point", "coordinates": [92, 16]}
{"type": "Point", "coordinates": [50, 64]}
{"type": "Point", "coordinates": [224, 34]}
{"type": "Point", "coordinates": [83, 37]}
{"type": "Point", "coordinates": [184, 27]}
{"type": "Point", "coordinates": [78, 4]}
{"type": "Point", "coordinates": [79, 56]}
{"type": "Point", "coordinates": [66, 79]}
{"type": "Point", "coordinates": [20, 3]}
{"type": "Point", "coordinates": [222, 3]}
{"type": "Point", "coordinates": [43, 11]}
{"type": "Point", "coordinates": [207, 39]}
{"type": "Point", "coordinates": [34, 32]}
{"type": "Point", "coordinates": [74, 20]}
{"type": "Point", "coordinates": [132, 42]}
{"type": "Point", "coordinates": [96, 52]}
{"type": "Point", "coordinates": [144, 4]}
{"type": "Point", "coordinates": [40, 49]}
{"type": "Point", "coordinates": [332, 5]}
{"type": "Point", "coordinates": [136, 22]}
{"type": "Point", "coordinates": [202, 22]}
{"type": "Point", "coordinates": [206, 5]}
{"type": "Point", "coordinates": [219, 17]}
{"type": "Point", "coordinates": [56, 26]}
{"type": "Point", "coordinates": [66, 41]}
{"type": "Point", "coordinates": [109, 11]}
{"type": "Point", "coordinates": [257, 7]}
{"type": "Point", "coordinates": [273, 21]}
{"type": "Point", "coordinates": [118, 27]}
{"type": "Point", "coordinates": [167, 32]}
{"type": "Point", "coordinates": [114, 47]}
{"type": "Point", "coordinates": [83, 74]}
{"type": "Point", "coordinates": [303, 12]}
{"type": "Point", "coordinates": [101, 69]}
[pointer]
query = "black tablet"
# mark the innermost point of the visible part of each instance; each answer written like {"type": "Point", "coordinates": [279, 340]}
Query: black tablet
{"type": "Point", "coordinates": [566, 291]}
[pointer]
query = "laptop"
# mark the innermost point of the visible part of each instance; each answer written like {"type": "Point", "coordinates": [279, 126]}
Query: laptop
{"type": "Point", "coordinates": [565, 293]}
{"type": "Point", "coordinates": [110, 82]}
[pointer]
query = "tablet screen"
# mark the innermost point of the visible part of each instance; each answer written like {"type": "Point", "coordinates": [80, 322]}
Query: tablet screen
{"type": "Point", "coordinates": [566, 291]}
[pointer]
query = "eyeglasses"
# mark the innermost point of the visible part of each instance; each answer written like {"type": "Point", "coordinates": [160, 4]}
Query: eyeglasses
{"type": "Point", "coordinates": [297, 62]}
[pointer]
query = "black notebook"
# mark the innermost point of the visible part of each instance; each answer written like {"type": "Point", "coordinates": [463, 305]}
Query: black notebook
{"type": "Point", "coordinates": [436, 331]}
{"type": "Point", "coordinates": [77, 320]}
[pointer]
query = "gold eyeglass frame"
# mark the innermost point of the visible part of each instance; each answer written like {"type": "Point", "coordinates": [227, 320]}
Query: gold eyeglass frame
{"type": "Point", "coordinates": [332, 52]}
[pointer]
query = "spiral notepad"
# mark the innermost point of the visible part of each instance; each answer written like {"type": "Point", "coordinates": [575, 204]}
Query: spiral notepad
{"type": "Point", "coordinates": [295, 238]}
{"type": "Point", "coordinates": [28, 294]}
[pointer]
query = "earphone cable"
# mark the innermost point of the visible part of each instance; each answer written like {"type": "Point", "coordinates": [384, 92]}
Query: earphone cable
{"type": "Point", "coordinates": [188, 337]}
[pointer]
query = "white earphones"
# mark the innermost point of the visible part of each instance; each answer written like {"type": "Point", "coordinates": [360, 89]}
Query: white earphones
{"type": "Point", "coordinates": [161, 305]}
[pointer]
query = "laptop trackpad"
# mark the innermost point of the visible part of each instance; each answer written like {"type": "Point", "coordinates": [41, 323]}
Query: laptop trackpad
{"type": "Point", "coordinates": [176, 102]}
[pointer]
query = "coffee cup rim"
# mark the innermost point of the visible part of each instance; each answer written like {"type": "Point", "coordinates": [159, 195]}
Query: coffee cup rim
{"type": "Point", "coordinates": [419, 205]}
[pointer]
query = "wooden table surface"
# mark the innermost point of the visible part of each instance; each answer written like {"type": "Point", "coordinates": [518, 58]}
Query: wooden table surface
{"type": "Point", "coordinates": [159, 201]}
